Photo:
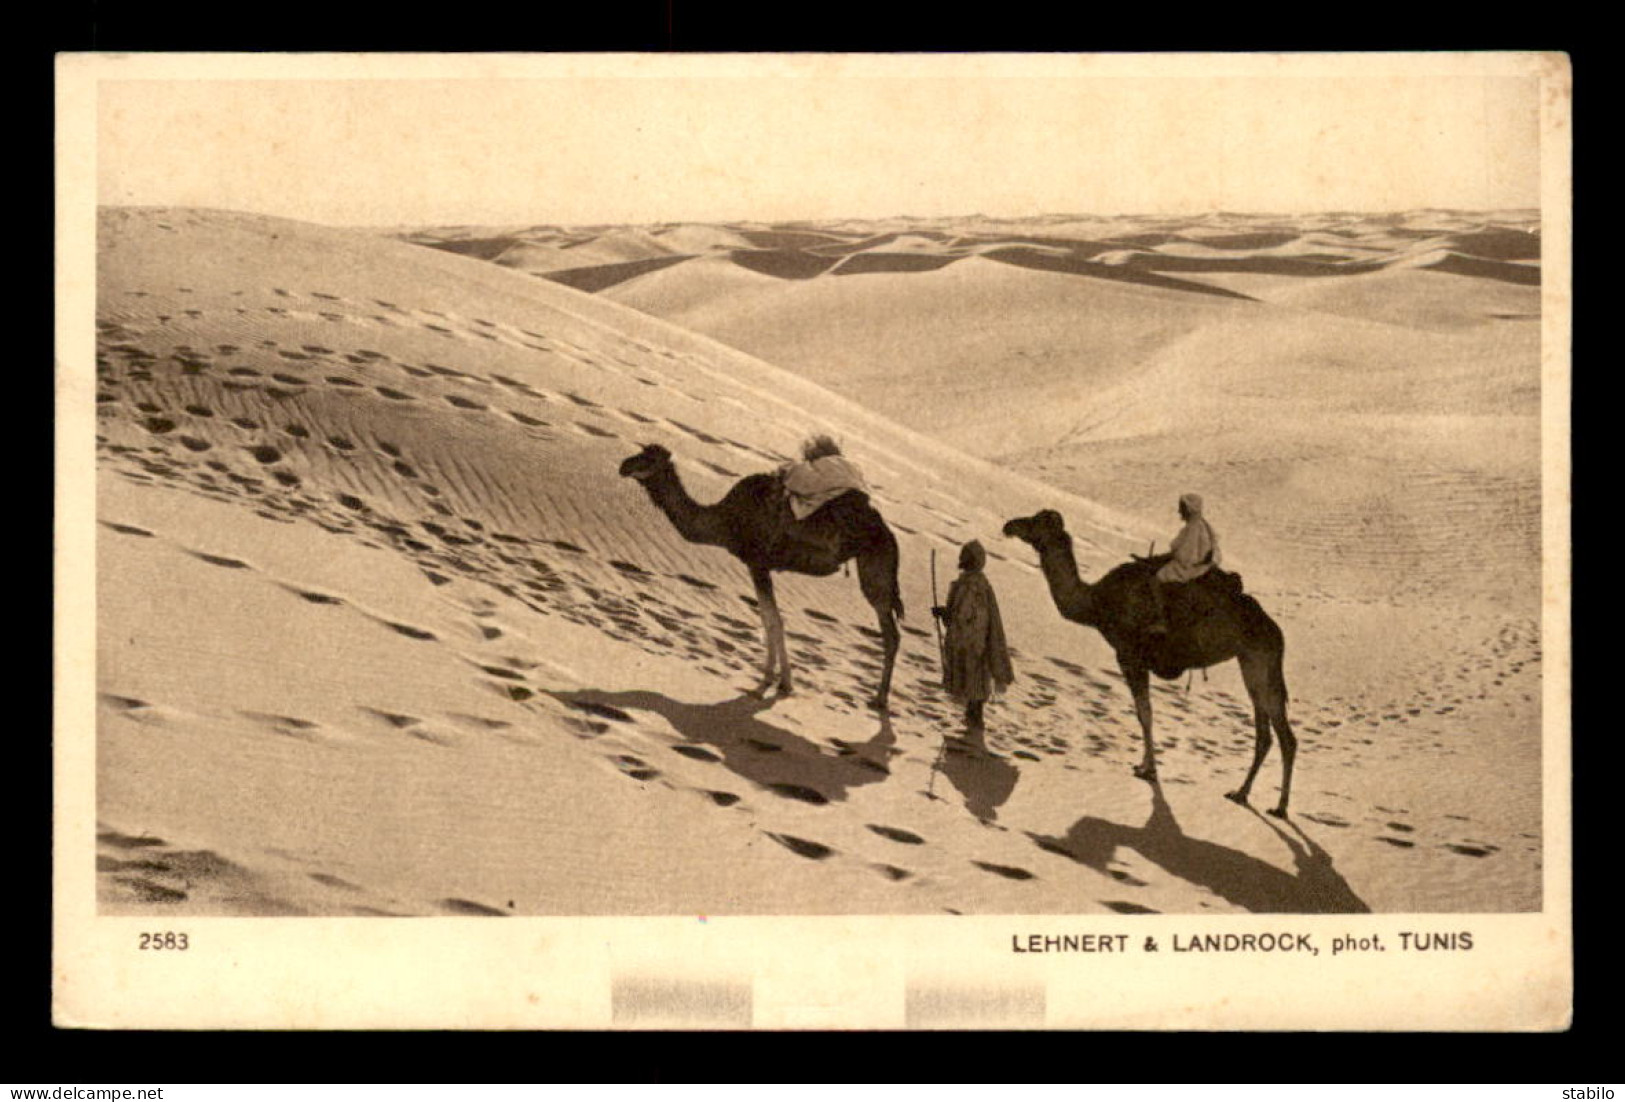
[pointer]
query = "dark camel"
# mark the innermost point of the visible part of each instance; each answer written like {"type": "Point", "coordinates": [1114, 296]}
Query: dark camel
{"type": "Point", "coordinates": [753, 523]}
{"type": "Point", "coordinates": [1210, 619]}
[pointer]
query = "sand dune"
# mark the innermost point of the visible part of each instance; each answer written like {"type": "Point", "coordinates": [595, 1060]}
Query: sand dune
{"type": "Point", "coordinates": [983, 354]}
{"type": "Point", "coordinates": [382, 632]}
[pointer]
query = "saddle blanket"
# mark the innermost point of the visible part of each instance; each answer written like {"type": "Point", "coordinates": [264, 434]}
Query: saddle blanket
{"type": "Point", "coordinates": [813, 485]}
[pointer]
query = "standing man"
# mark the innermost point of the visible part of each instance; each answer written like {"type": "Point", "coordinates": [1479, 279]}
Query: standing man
{"type": "Point", "coordinates": [976, 662]}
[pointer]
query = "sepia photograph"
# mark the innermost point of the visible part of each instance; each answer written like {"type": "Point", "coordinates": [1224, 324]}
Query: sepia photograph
{"type": "Point", "coordinates": [1078, 512]}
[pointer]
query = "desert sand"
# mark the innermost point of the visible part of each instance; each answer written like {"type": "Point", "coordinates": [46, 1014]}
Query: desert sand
{"type": "Point", "coordinates": [383, 632]}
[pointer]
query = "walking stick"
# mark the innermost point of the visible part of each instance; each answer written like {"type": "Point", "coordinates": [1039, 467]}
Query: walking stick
{"type": "Point", "coordinates": [942, 665]}
{"type": "Point", "coordinates": [942, 653]}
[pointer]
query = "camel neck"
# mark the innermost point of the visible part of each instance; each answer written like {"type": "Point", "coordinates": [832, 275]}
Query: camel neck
{"type": "Point", "coordinates": [696, 523]}
{"type": "Point", "coordinates": [1073, 596]}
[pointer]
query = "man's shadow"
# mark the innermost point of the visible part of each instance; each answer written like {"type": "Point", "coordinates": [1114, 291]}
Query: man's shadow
{"type": "Point", "coordinates": [771, 757]}
{"type": "Point", "coordinates": [1238, 878]}
{"type": "Point", "coordinates": [984, 779]}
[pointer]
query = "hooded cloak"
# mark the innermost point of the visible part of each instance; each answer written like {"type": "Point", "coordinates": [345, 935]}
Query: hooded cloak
{"type": "Point", "coordinates": [976, 662]}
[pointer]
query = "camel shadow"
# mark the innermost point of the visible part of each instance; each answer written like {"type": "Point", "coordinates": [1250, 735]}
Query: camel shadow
{"type": "Point", "coordinates": [770, 757]}
{"type": "Point", "coordinates": [1248, 882]}
{"type": "Point", "coordinates": [984, 779]}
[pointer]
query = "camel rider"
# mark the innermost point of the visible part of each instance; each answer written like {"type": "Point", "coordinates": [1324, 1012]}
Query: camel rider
{"type": "Point", "coordinates": [1194, 552]}
{"type": "Point", "coordinates": [823, 475]}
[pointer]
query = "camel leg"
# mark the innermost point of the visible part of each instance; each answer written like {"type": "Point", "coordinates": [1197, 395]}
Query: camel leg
{"type": "Point", "coordinates": [877, 577]}
{"type": "Point", "coordinates": [778, 658]}
{"type": "Point", "coordinates": [1267, 689]}
{"type": "Point", "coordinates": [1261, 750]}
{"type": "Point", "coordinates": [1139, 683]}
{"type": "Point", "coordinates": [1289, 747]}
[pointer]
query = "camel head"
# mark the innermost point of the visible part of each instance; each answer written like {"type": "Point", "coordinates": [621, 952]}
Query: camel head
{"type": "Point", "coordinates": [647, 463]}
{"type": "Point", "coordinates": [1038, 529]}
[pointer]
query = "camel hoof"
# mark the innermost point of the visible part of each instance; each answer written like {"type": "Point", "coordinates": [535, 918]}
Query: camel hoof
{"type": "Point", "coordinates": [1278, 812]}
{"type": "Point", "coordinates": [1236, 797]}
{"type": "Point", "coordinates": [1146, 772]}
{"type": "Point", "coordinates": [878, 704]}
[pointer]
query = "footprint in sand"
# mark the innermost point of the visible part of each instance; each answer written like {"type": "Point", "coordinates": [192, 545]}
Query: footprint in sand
{"type": "Point", "coordinates": [220, 560]}
{"type": "Point", "coordinates": [291, 726]}
{"type": "Point", "coordinates": [478, 723]}
{"type": "Point", "coordinates": [127, 529]}
{"type": "Point", "coordinates": [393, 719]}
{"type": "Point", "coordinates": [410, 632]}
{"type": "Point", "coordinates": [583, 728]}
{"type": "Point", "coordinates": [603, 710]}
{"type": "Point", "coordinates": [896, 834]}
{"type": "Point", "coordinates": [1009, 872]}
{"type": "Point", "coordinates": [127, 841]}
{"type": "Point", "coordinates": [801, 847]}
{"type": "Point", "coordinates": [635, 767]}
{"type": "Point", "coordinates": [798, 792]}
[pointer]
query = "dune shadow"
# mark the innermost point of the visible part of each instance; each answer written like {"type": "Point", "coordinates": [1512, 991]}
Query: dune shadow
{"type": "Point", "coordinates": [1255, 885]}
{"type": "Point", "coordinates": [480, 248]}
{"type": "Point", "coordinates": [770, 757]}
{"type": "Point", "coordinates": [1479, 268]}
{"type": "Point", "coordinates": [783, 263]}
{"type": "Point", "coordinates": [984, 779]}
{"type": "Point", "coordinates": [599, 277]}
{"type": "Point", "coordinates": [862, 263]}
{"type": "Point", "coordinates": [1498, 244]}
{"type": "Point", "coordinates": [1120, 273]}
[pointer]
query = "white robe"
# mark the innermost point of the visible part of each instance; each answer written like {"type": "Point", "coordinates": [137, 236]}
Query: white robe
{"type": "Point", "coordinates": [1196, 551]}
{"type": "Point", "coordinates": [812, 485]}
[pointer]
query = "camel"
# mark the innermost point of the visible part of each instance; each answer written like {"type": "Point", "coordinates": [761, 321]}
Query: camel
{"type": "Point", "coordinates": [1219, 623]}
{"type": "Point", "coordinates": [753, 523]}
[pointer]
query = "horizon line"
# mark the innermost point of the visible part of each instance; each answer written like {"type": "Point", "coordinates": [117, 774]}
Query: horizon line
{"type": "Point", "coordinates": [824, 219]}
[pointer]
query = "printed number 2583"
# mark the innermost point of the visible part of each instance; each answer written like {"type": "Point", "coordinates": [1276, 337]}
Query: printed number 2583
{"type": "Point", "coordinates": [166, 940]}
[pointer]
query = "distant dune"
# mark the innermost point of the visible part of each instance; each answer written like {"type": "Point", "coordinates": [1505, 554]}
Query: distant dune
{"type": "Point", "coordinates": [984, 354]}
{"type": "Point", "coordinates": [1426, 314]}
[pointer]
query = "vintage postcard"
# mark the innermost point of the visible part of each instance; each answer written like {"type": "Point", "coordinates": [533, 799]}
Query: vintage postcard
{"type": "Point", "coordinates": [794, 542]}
